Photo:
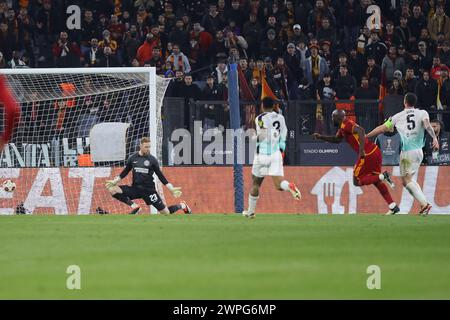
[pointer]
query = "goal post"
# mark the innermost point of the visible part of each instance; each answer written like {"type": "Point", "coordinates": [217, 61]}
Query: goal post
{"type": "Point", "coordinates": [60, 107]}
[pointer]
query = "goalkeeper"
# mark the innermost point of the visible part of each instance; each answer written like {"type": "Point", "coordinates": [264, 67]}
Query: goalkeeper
{"type": "Point", "coordinates": [143, 165]}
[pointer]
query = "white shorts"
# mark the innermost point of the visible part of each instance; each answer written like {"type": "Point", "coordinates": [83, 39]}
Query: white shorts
{"type": "Point", "coordinates": [268, 165]}
{"type": "Point", "coordinates": [410, 161]}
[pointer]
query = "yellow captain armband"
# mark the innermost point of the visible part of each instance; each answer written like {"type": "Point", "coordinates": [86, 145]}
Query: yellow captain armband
{"type": "Point", "coordinates": [388, 123]}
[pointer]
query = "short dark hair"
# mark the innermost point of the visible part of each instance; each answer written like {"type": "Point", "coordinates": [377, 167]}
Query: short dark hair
{"type": "Point", "coordinates": [439, 122]}
{"type": "Point", "coordinates": [268, 103]}
{"type": "Point", "coordinates": [410, 99]}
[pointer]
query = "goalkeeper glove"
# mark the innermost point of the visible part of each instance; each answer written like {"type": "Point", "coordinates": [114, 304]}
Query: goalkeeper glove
{"type": "Point", "coordinates": [112, 183]}
{"type": "Point", "coordinates": [176, 191]}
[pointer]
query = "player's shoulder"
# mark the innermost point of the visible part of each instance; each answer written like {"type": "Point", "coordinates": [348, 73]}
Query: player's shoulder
{"type": "Point", "coordinates": [133, 156]}
{"type": "Point", "coordinates": [347, 122]}
{"type": "Point", "coordinates": [152, 159]}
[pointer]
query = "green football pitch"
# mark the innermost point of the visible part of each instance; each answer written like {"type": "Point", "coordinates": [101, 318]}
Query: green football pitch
{"type": "Point", "coordinates": [225, 256]}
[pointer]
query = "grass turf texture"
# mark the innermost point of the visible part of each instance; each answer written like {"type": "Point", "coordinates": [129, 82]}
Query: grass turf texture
{"type": "Point", "coordinates": [225, 256]}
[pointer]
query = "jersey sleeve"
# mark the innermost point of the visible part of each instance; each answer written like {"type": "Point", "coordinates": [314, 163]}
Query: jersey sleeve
{"type": "Point", "coordinates": [424, 115]}
{"type": "Point", "coordinates": [158, 171]}
{"type": "Point", "coordinates": [283, 133]}
{"type": "Point", "coordinates": [395, 119]}
{"type": "Point", "coordinates": [127, 169]}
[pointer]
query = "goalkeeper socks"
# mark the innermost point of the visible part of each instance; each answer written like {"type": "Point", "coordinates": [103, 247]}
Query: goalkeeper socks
{"type": "Point", "coordinates": [384, 191]}
{"type": "Point", "coordinates": [368, 179]}
{"type": "Point", "coordinates": [414, 189]}
{"type": "Point", "coordinates": [175, 208]}
{"type": "Point", "coordinates": [123, 198]}
{"type": "Point", "coordinates": [284, 185]}
{"type": "Point", "coordinates": [252, 203]}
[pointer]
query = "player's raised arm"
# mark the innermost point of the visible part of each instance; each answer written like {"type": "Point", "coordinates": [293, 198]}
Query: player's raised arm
{"type": "Point", "coordinates": [429, 128]}
{"type": "Point", "coordinates": [388, 126]}
{"type": "Point", "coordinates": [176, 191]}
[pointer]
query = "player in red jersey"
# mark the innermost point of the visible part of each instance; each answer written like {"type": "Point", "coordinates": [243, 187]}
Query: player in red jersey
{"type": "Point", "coordinates": [11, 112]}
{"type": "Point", "coordinates": [368, 166]}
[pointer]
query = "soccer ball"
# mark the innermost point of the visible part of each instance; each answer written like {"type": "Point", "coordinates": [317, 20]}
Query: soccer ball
{"type": "Point", "coordinates": [9, 186]}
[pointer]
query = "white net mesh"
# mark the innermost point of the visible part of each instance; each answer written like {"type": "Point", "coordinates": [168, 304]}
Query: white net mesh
{"type": "Point", "coordinates": [49, 153]}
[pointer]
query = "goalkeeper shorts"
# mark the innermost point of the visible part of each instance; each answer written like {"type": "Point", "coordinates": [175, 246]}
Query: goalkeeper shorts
{"type": "Point", "coordinates": [150, 197]}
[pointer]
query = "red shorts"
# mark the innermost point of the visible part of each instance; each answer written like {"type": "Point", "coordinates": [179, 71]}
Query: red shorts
{"type": "Point", "coordinates": [370, 165]}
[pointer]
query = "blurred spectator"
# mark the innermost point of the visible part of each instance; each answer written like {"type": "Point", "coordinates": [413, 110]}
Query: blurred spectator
{"type": "Point", "coordinates": [316, 15]}
{"type": "Point", "coordinates": [416, 23]}
{"type": "Point", "coordinates": [442, 156]}
{"type": "Point", "coordinates": [326, 94]}
{"type": "Point", "coordinates": [293, 62]}
{"type": "Point", "coordinates": [89, 30]}
{"type": "Point", "coordinates": [220, 71]}
{"type": "Point", "coordinates": [17, 61]}
{"type": "Point", "coordinates": [326, 32]}
{"type": "Point", "coordinates": [392, 62]}
{"type": "Point", "coordinates": [156, 61]}
{"type": "Point", "coordinates": [93, 57]}
{"type": "Point", "coordinates": [7, 41]}
{"type": "Point", "coordinates": [364, 40]}
{"type": "Point", "coordinates": [396, 87]}
{"type": "Point", "coordinates": [410, 82]}
{"type": "Point", "coordinates": [403, 34]}
{"type": "Point", "coordinates": [271, 25]}
{"type": "Point", "coordinates": [280, 76]}
{"type": "Point", "coordinates": [235, 41]}
{"type": "Point", "coordinates": [437, 68]}
{"type": "Point", "coordinates": [131, 44]}
{"type": "Point", "coordinates": [3, 63]}
{"type": "Point", "coordinates": [373, 71]}
{"type": "Point", "coordinates": [439, 22]}
{"type": "Point", "coordinates": [210, 111]}
{"type": "Point", "coordinates": [298, 35]}
{"type": "Point", "coordinates": [212, 22]}
{"type": "Point", "coordinates": [218, 48]}
{"type": "Point", "coordinates": [376, 48]}
{"type": "Point", "coordinates": [180, 35]}
{"type": "Point", "coordinates": [388, 36]}
{"type": "Point", "coordinates": [424, 56]}
{"type": "Point", "coordinates": [327, 54]}
{"type": "Point", "coordinates": [109, 58]}
{"type": "Point", "coordinates": [251, 31]}
{"type": "Point", "coordinates": [315, 66]}
{"type": "Point", "coordinates": [342, 62]}
{"type": "Point", "coordinates": [366, 91]}
{"type": "Point", "coordinates": [444, 53]}
{"type": "Point", "coordinates": [107, 41]}
{"type": "Point", "coordinates": [66, 54]}
{"type": "Point", "coordinates": [351, 16]}
{"type": "Point", "coordinates": [426, 91]}
{"type": "Point", "coordinates": [269, 46]}
{"type": "Point", "coordinates": [191, 91]}
{"type": "Point", "coordinates": [237, 12]}
{"type": "Point", "coordinates": [200, 41]}
{"type": "Point", "coordinates": [345, 84]}
{"type": "Point", "coordinates": [357, 63]}
{"type": "Point", "coordinates": [245, 69]}
{"type": "Point", "coordinates": [176, 86]}
{"type": "Point", "coordinates": [179, 60]}
{"type": "Point", "coordinates": [255, 88]}
{"type": "Point", "coordinates": [152, 40]}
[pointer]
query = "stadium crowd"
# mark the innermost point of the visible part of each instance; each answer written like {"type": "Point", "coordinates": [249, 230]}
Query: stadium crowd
{"type": "Point", "coordinates": [306, 49]}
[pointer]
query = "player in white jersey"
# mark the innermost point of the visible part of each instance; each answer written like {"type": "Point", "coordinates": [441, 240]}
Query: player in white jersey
{"type": "Point", "coordinates": [411, 124]}
{"type": "Point", "coordinates": [271, 133]}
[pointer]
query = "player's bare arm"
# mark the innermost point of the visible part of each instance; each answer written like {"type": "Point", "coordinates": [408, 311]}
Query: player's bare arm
{"type": "Point", "coordinates": [429, 128]}
{"type": "Point", "coordinates": [331, 139]}
{"type": "Point", "coordinates": [362, 139]}
{"type": "Point", "coordinates": [379, 130]}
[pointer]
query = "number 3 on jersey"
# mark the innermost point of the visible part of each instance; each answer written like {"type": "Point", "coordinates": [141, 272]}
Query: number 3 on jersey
{"type": "Point", "coordinates": [411, 122]}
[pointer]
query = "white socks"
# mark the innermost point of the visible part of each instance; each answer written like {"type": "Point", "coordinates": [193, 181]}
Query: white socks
{"type": "Point", "coordinates": [416, 192]}
{"type": "Point", "coordinates": [252, 203]}
{"type": "Point", "coordinates": [134, 206]}
{"type": "Point", "coordinates": [392, 205]}
{"type": "Point", "coordinates": [284, 185]}
{"type": "Point", "coordinates": [182, 205]}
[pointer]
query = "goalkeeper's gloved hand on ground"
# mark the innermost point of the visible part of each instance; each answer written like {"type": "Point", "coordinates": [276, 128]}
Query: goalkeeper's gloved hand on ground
{"type": "Point", "coordinates": [176, 191]}
{"type": "Point", "coordinates": [112, 183]}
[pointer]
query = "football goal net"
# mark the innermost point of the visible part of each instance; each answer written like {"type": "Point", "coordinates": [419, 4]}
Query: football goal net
{"type": "Point", "coordinates": [78, 126]}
